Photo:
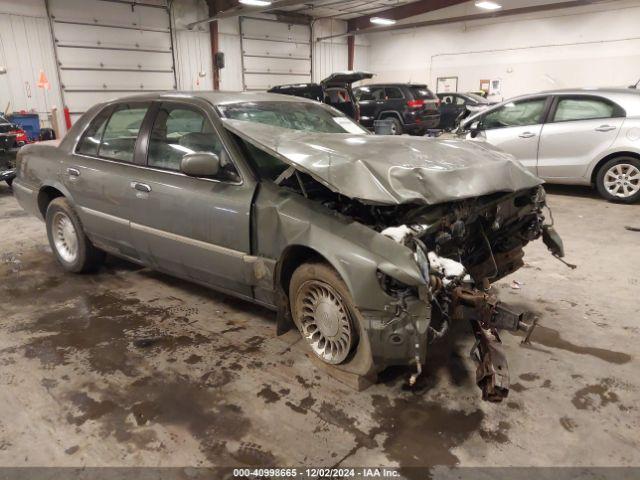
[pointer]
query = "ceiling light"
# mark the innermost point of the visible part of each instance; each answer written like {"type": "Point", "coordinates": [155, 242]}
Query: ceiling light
{"type": "Point", "coordinates": [256, 3]}
{"type": "Point", "coordinates": [382, 21]}
{"type": "Point", "coordinates": [487, 5]}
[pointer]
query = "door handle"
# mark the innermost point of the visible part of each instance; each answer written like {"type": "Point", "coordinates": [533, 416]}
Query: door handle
{"type": "Point", "coordinates": [527, 135]}
{"type": "Point", "coordinates": [605, 128]}
{"type": "Point", "coordinates": [141, 187]}
{"type": "Point", "coordinates": [73, 172]}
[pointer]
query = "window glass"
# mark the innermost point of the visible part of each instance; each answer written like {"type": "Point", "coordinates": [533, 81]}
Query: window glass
{"type": "Point", "coordinates": [514, 114]}
{"type": "Point", "coordinates": [422, 93]}
{"type": "Point", "coordinates": [178, 130]}
{"type": "Point", "coordinates": [447, 99]}
{"type": "Point", "coordinates": [393, 93]}
{"type": "Point", "coordinates": [267, 166]}
{"type": "Point", "coordinates": [460, 100]}
{"type": "Point", "coordinates": [121, 133]}
{"type": "Point", "coordinates": [90, 141]}
{"type": "Point", "coordinates": [370, 93]}
{"type": "Point", "coordinates": [308, 117]}
{"type": "Point", "coordinates": [582, 109]}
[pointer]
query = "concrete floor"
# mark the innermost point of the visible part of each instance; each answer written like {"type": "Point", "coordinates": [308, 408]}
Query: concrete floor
{"type": "Point", "coordinates": [133, 368]}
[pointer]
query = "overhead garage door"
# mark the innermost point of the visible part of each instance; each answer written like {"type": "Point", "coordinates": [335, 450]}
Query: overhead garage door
{"type": "Point", "coordinates": [274, 53]}
{"type": "Point", "coordinates": [111, 48]}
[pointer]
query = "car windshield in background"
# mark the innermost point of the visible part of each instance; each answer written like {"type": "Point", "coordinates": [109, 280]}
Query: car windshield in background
{"type": "Point", "coordinates": [422, 93]}
{"type": "Point", "coordinates": [293, 115]}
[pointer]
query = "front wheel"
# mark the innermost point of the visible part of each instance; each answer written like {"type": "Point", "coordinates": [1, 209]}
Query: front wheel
{"type": "Point", "coordinates": [322, 307]}
{"type": "Point", "coordinates": [72, 248]}
{"type": "Point", "coordinates": [618, 180]}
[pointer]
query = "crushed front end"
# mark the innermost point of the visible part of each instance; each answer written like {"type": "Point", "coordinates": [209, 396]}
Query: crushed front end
{"type": "Point", "coordinates": [461, 249]}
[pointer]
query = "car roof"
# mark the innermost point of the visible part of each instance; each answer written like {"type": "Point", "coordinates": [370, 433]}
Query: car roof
{"type": "Point", "coordinates": [418, 85]}
{"type": "Point", "coordinates": [214, 97]}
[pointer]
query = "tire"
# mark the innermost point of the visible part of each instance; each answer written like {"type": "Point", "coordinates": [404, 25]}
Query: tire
{"type": "Point", "coordinates": [67, 239]}
{"type": "Point", "coordinates": [618, 180]}
{"type": "Point", "coordinates": [396, 126]}
{"type": "Point", "coordinates": [9, 181]}
{"type": "Point", "coordinates": [323, 311]}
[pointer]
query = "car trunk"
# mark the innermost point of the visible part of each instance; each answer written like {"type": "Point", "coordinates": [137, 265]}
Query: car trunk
{"type": "Point", "coordinates": [339, 94]}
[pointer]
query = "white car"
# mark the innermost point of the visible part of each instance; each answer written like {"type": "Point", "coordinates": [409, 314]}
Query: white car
{"type": "Point", "coordinates": [580, 137]}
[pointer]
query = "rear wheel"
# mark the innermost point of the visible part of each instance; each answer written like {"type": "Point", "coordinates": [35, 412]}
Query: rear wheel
{"type": "Point", "coordinates": [322, 307]}
{"type": "Point", "coordinates": [72, 248]}
{"type": "Point", "coordinates": [618, 180]}
{"type": "Point", "coordinates": [396, 126]}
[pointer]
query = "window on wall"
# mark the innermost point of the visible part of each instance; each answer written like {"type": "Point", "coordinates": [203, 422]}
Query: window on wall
{"type": "Point", "coordinates": [516, 114]}
{"type": "Point", "coordinates": [584, 109]}
{"type": "Point", "coordinates": [177, 131]}
{"type": "Point", "coordinates": [121, 133]}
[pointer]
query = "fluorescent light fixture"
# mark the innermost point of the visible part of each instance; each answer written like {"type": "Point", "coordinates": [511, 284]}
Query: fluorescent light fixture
{"type": "Point", "coordinates": [486, 4]}
{"type": "Point", "coordinates": [382, 21]}
{"type": "Point", "coordinates": [256, 3]}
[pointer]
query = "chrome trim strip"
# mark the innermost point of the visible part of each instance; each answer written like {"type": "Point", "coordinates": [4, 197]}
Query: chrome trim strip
{"type": "Point", "coordinates": [144, 167]}
{"type": "Point", "coordinates": [105, 216]}
{"type": "Point", "coordinates": [189, 241]}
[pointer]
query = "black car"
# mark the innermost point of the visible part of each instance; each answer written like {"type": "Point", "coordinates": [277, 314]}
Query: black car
{"type": "Point", "coordinates": [411, 108]}
{"type": "Point", "coordinates": [456, 106]}
{"type": "Point", "coordinates": [335, 90]}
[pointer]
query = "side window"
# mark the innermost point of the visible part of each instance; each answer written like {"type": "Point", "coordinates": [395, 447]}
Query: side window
{"type": "Point", "coordinates": [179, 130]}
{"type": "Point", "coordinates": [585, 108]}
{"type": "Point", "coordinates": [370, 93]}
{"type": "Point", "coordinates": [461, 100]}
{"type": "Point", "coordinates": [90, 141]}
{"type": "Point", "coordinates": [515, 114]}
{"type": "Point", "coordinates": [120, 135]}
{"type": "Point", "coordinates": [447, 99]}
{"type": "Point", "coordinates": [393, 93]}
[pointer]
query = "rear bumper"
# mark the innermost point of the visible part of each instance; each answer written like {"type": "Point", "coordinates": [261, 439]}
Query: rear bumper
{"type": "Point", "coordinates": [26, 197]}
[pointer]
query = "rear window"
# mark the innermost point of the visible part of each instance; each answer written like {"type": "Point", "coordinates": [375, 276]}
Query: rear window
{"type": "Point", "coordinates": [422, 92]}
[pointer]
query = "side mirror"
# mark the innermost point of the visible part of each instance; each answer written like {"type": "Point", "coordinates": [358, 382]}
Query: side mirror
{"type": "Point", "coordinates": [474, 129]}
{"type": "Point", "coordinates": [200, 164]}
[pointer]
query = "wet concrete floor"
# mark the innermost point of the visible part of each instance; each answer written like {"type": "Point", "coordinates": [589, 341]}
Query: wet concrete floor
{"type": "Point", "coordinates": [129, 367]}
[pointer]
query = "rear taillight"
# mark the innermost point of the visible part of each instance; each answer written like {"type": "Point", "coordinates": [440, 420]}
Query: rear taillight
{"type": "Point", "coordinates": [415, 103]}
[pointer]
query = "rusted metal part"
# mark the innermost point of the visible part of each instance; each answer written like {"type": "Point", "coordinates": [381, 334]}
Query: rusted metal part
{"type": "Point", "coordinates": [492, 372]}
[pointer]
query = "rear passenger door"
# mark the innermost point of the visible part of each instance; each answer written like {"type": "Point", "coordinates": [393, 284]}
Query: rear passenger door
{"type": "Point", "coordinates": [579, 130]}
{"type": "Point", "coordinates": [97, 175]}
{"type": "Point", "coordinates": [394, 100]}
{"type": "Point", "coordinates": [196, 228]}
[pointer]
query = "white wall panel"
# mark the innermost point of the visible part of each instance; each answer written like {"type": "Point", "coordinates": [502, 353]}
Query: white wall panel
{"type": "Point", "coordinates": [111, 49]}
{"type": "Point", "coordinates": [274, 53]}
{"type": "Point", "coordinates": [26, 49]}
{"type": "Point", "coordinates": [596, 45]}
{"type": "Point", "coordinates": [193, 46]}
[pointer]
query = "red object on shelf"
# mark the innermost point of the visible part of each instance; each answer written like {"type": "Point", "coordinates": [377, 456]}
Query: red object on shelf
{"type": "Point", "coordinates": [67, 118]}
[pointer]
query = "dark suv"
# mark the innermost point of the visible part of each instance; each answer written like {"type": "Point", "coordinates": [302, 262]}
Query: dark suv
{"type": "Point", "coordinates": [335, 90]}
{"type": "Point", "coordinates": [411, 108]}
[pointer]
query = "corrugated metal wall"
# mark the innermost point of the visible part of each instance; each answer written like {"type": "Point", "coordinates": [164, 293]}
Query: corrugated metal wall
{"type": "Point", "coordinates": [25, 49]}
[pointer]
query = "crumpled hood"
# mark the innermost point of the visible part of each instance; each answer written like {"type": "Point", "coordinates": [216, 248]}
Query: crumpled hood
{"type": "Point", "coordinates": [391, 169]}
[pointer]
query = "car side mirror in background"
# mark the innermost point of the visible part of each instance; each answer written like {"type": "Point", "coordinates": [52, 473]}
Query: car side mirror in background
{"type": "Point", "coordinates": [200, 164]}
{"type": "Point", "coordinates": [474, 129]}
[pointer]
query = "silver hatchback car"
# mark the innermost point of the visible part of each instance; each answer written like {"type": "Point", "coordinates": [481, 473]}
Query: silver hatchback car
{"type": "Point", "coordinates": [581, 137]}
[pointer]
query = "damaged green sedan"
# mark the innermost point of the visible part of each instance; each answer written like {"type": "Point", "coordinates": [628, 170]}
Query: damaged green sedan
{"type": "Point", "coordinates": [370, 245]}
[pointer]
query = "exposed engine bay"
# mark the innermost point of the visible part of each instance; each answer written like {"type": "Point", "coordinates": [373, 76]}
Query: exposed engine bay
{"type": "Point", "coordinates": [461, 248]}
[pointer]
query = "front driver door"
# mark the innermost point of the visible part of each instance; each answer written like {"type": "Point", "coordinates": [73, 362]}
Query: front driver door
{"type": "Point", "coordinates": [515, 128]}
{"type": "Point", "coordinates": [580, 129]}
{"type": "Point", "coordinates": [196, 228]}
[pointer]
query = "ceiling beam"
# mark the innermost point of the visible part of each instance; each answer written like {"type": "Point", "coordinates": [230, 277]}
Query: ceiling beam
{"type": "Point", "coordinates": [233, 8]}
{"type": "Point", "coordinates": [402, 12]}
{"type": "Point", "coordinates": [466, 18]}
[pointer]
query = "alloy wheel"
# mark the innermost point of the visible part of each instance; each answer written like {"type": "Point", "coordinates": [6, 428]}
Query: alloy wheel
{"type": "Point", "coordinates": [65, 237]}
{"type": "Point", "coordinates": [325, 321]}
{"type": "Point", "coordinates": [622, 180]}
